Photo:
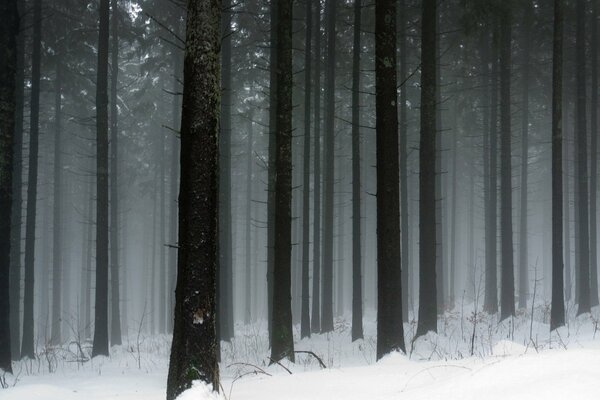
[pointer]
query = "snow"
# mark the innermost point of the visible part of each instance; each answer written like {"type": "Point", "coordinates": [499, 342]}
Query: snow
{"type": "Point", "coordinates": [507, 363]}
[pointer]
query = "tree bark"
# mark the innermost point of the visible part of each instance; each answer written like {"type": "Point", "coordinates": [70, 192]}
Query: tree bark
{"type": "Point", "coordinates": [115, 322]}
{"type": "Point", "coordinates": [56, 337]}
{"type": "Point", "coordinates": [194, 350]}
{"type": "Point", "coordinates": [9, 31]}
{"type": "Point", "coordinates": [557, 312]}
{"type": "Point", "coordinates": [305, 308]}
{"type": "Point", "coordinates": [315, 322]}
{"type": "Point", "coordinates": [403, 138]}
{"type": "Point", "coordinates": [225, 303]}
{"type": "Point", "coordinates": [582, 176]}
{"type": "Point", "coordinates": [357, 312]}
{"type": "Point", "coordinates": [594, 160]}
{"type": "Point", "coordinates": [17, 198]}
{"type": "Point", "coordinates": [329, 161]}
{"type": "Point", "coordinates": [282, 343]}
{"type": "Point", "coordinates": [390, 331]}
{"type": "Point", "coordinates": [428, 301]}
{"type": "Point", "coordinates": [523, 246]}
{"type": "Point", "coordinates": [27, 346]}
{"type": "Point", "coordinates": [507, 294]}
{"type": "Point", "coordinates": [100, 346]}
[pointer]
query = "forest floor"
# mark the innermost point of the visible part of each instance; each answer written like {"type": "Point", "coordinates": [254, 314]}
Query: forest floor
{"type": "Point", "coordinates": [472, 357]}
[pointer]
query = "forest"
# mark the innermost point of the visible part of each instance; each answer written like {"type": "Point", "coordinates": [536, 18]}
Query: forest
{"type": "Point", "coordinates": [309, 199]}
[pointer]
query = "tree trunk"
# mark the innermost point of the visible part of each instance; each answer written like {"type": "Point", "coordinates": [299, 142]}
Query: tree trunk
{"type": "Point", "coordinates": [357, 314]}
{"type": "Point", "coordinates": [428, 302]}
{"type": "Point", "coordinates": [8, 68]}
{"type": "Point", "coordinates": [329, 161]}
{"type": "Point", "coordinates": [490, 303]}
{"type": "Point", "coordinates": [56, 337]}
{"type": "Point", "coordinates": [523, 264]}
{"type": "Point", "coordinates": [282, 344]}
{"type": "Point", "coordinates": [248, 252]}
{"type": "Point", "coordinates": [115, 322]}
{"type": "Point", "coordinates": [582, 175]}
{"type": "Point", "coordinates": [390, 332]}
{"type": "Point", "coordinates": [557, 313]}
{"type": "Point", "coordinates": [403, 137]}
{"type": "Point", "coordinates": [271, 165]}
{"type": "Point", "coordinates": [305, 311]}
{"type": "Point", "coordinates": [174, 180]}
{"type": "Point", "coordinates": [507, 294]}
{"type": "Point", "coordinates": [594, 160]}
{"type": "Point", "coordinates": [27, 346]}
{"type": "Point", "coordinates": [194, 349]}
{"type": "Point", "coordinates": [225, 303]}
{"type": "Point", "coordinates": [17, 199]}
{"type": "Point", "coordinates": [315, 322]}
{"type": "Point", "coordinates": [100, 346]}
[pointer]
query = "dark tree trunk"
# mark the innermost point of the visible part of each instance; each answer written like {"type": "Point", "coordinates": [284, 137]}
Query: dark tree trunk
{"type": "Point", "coordinates": [427, 155]}
{"type": "Point", "coordinates": [403, 137]}
{"type": "Point", "coordinates": [390, 332]}
{"type": "Point", "coordinates": [315, 322]}
{"type": "Point", "coordinates": [194, 350]}
{"type": "Point", "coordinates": [507, 293]}
{"type": "Point", "coordinates": [440, 201]}
{"type": "Point", "coordinates": [115, 310]}
{"type": "Point", "coordinates": [485, 93]}
{"type": "Point", "coordinates": [305, 311]}
{"type": "Point", "coordinates": [357, 314]}
{"type": "Point", "coordinates": [582, 175]}
{"type": "Point", "coordinates": [56, 337]}
{"type": "Point", "coordinates": [271, 165]}
{"type": "Point", "coordinates": [329, 161]}
{"type": "Point", "coordinates": [101, 309]}
{"type": "Point", "coordinates": [9, 16]}
{"type": "Point", "coordinates": [523, 265]}
{"type": "Point", "coordinates": [17, 200]}
{"type": "Point", "coordinates": [490, 303]}
{"type": "Point", "coordinates": [557, 313]}
{"type": "Point", "coordinates": [225, 303]}
{"type": "Point", "coordinates": [594, 160]}
{"type": "Point", "coordinates": [27, 346]}
{"type": "Point", "coordinates": [282, 343]}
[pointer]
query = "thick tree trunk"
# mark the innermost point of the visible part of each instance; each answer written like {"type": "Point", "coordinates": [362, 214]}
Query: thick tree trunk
{"type": "Point", "coordinates": [357, 312]}
{"type": "Point", "coordinates": [390, 332]}
{"type": "Point", "coordinates": [523, 247]}
{"type": "Point", "coordinates": [194, 349]}
{"type": "Point", "coordinates": [115, 308]}
{"type": "Point", "coordinates": [557, 313]}
{"type": "Point", "coordinates": [100, 346]}
{"type": "Point", "coordinates": [305, 308]}
{"type": "Point", "coordinates": [582, 175]}
{"type": "Point", "coordinates": [329, 161]}
{"type": "Point", "coordinates": [282, 343]}
{"type": "Point", "coordinates": [27, 345]}
{"type": "Point", "coordinates": [56, 337]}
{"type": "Point", "coordinates": [507, 293]}
{"type": "Point", "coordinates": [428, 301]}
{"type": "Point", "coordinates": [315, 322]}
{"type": "Point", "coordinates": [8, 69]}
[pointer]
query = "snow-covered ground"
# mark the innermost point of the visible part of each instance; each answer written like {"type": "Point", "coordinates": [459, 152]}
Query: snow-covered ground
{"type": "Point", "coordinates": [516, 359]}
